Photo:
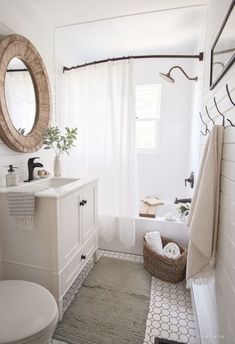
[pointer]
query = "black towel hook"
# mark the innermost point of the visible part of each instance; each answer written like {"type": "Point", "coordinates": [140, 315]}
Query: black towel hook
{"type": "Point", "coordinates": [230, 98]}
{"type": "Point", "coordinates": [231, 123]}
{"type": "Point", "coordinates": [203, 133]}
{"type": "Point", "coordinates": [207, 130]}
{"type": "Point", "coordinates": [209, 115]}
{"type": "Point", "coordinates": [219, 112]}
{"type": "Point", "coordinates": [229, 95]}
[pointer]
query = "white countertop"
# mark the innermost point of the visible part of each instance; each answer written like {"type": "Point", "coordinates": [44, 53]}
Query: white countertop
{"type": "Point", "coordinates": [42, 188]}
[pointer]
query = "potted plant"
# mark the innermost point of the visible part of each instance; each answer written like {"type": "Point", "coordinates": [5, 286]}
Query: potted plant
{"type": "Point", "coordinates": [60, 143]}
{"type": "Point", "coordinates": [183, 209]}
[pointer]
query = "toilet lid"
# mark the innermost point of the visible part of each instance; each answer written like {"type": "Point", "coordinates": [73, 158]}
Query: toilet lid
{"type": "Point", "coordinates": [26, 309]}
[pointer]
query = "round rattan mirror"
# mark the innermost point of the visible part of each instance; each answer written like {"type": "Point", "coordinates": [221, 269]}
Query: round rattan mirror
{"type": "Point", "coordinates": [16, 46]}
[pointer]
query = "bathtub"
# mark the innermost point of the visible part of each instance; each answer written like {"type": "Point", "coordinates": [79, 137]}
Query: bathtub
{"type": "Point", "coordinates": [174, 230]}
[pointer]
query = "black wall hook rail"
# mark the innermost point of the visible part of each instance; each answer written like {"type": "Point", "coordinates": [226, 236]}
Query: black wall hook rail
{"type": "Point", "coordinates": [227, 119]}
{"type": "Point", "coordinates": [209, 115]}
{"type": "Point", "coordinates": [207, 130]}
{"type": "Point", "coordinates": [229, 95]}
{"type": "Point", "coordinates": [221, 114]}
{"type": "Point", "coordinates": [204, 134]}
{"type": "Point", "coordinates": [223, 122]}
{"type": "Point", "coordinates": [231, 123]}
{"type": "Point", "coordinates": [233, 103]}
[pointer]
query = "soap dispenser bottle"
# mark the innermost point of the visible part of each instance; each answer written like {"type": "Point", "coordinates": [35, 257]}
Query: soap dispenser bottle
{"type": "Point", "coordinates": [12, 176]}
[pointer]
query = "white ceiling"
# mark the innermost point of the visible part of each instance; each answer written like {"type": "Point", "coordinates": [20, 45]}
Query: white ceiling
{"type": "Point", "coordinates": [67, 12]}
{"type": "Point", "coordinates": [96, 29]}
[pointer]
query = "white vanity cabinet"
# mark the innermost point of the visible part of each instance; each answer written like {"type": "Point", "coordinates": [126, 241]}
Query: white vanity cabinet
{"type": "Point", "coordinates": [78, 221]}
{"type": "Point", "coordinates": [64, 238]}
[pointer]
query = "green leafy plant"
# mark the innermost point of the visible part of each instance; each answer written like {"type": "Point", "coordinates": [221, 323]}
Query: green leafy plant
{"type": "Point", "coordinates": [183, 208]}
{"type": "Point", "coordinates": [53, 139]}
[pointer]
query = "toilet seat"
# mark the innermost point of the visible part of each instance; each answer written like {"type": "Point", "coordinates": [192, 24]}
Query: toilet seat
{"type": "Point", "coordinates": [28, 312]}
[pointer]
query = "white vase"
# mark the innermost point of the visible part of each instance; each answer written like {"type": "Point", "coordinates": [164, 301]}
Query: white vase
{"type": "Point", "coordinates": [57, 166]}
{"type": "Point", "coordinates": [182, 217]}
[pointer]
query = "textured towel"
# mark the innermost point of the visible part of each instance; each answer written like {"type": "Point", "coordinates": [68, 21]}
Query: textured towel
{"type": "Point", "coordinates": [22, 208]}
{"type": "Point", "coordinates": [155, 242]}
{"type": "Point", "coordinates": [203, 216]}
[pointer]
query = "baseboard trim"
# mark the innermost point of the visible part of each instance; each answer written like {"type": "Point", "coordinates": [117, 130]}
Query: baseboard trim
{"type": "Point", "coordinates": [30, 266]}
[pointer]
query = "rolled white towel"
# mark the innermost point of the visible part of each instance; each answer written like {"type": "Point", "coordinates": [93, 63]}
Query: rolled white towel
{"type": "Point", "coordinates": [154, 240]}
{"type": "Point", "coordinates": [171, 250]}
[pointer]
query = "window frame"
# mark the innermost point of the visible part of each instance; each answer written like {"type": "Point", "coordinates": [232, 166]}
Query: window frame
{"type": "Point", "coordinates": [155, 150]}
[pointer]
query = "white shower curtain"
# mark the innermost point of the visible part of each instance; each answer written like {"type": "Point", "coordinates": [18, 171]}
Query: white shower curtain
{"type": "Point", "coordinates": [99, 100]}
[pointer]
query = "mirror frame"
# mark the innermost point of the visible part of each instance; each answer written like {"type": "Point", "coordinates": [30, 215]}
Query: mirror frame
{"type": "Point", "coordinates": [19, 46]}
{"type": "Point", "coordinates": [214, 80]}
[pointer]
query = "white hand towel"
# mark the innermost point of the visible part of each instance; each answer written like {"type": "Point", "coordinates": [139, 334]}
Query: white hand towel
{"type": "Point", "coordinates": [203, 216]}
{"type": "Point", "coordinates": [154, 240]}
{"type": "Point", "coordinates": [22, 208]}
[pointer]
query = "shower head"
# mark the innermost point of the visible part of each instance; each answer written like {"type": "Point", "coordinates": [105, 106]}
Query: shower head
{"type": "Point", "coordinates": [168, 77]}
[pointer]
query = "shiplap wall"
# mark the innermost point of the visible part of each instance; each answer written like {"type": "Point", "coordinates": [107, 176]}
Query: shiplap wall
{"type": "Point", "coordinates": [221, 298]}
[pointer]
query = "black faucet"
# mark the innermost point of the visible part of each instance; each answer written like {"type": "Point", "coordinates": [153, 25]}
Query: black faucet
{"type": "Point", "coordinates": [31, 167]}
{"type": "Point", "coordinates": [190, 180]}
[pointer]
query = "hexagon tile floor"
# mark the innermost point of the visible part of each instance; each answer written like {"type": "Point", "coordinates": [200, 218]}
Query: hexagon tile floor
{"type": "Point", "coordinates": [170, 312]}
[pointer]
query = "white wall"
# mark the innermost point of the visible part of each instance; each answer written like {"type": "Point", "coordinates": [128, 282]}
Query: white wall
{"type": "Point", "coordinates": [220, 297]}
{"type": "Point", "coordinates": [163, 174]}
{"type": "Point", "coordinates": [20, 18]}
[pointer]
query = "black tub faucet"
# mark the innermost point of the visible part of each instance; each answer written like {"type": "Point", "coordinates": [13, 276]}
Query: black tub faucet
{"type": "Point", "coordinates": [31, 167]}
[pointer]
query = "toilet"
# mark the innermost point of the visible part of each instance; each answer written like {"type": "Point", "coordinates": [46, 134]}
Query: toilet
{"type": "Point", "coordinates": [28, 313]}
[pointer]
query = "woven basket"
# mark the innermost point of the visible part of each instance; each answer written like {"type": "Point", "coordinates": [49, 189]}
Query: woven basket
{"type": "Point", "coordinates": [164, 268]}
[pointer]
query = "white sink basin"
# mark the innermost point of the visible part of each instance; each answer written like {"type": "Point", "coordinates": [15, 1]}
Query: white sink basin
{"type": "Point", "coordinates": [58, 182]}
{"type": "Point", "coordinates": [44, 184]}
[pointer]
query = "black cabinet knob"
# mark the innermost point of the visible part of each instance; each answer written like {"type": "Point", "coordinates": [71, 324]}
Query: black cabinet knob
{"type": "Point", "coordinates": [83, 257]}
{"type": "Point", "coordinates": [83, 202]}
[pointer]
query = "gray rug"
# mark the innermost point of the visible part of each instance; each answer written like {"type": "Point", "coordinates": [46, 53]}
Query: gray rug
{"type": "Point", "coordinates": [111, 307]}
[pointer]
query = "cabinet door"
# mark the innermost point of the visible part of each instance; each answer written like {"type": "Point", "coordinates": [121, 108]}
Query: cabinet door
{"type": "Point", "coordinates": [70, 226]}
{"type": "Point", "coordinates": [87, 203]}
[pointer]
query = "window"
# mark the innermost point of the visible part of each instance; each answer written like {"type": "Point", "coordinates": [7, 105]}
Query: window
{"type": "Point", "coordinates": [148, 99]}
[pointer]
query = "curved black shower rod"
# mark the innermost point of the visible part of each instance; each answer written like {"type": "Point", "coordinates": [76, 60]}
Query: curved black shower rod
{"type": "Point", "coordinates": [199, 57]}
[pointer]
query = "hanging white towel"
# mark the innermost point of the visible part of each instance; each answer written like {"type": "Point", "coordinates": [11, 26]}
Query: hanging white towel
{"type": "Point", "coordinates": [203, 216]}
{"type": "Point", "coordinates": [22, 209]}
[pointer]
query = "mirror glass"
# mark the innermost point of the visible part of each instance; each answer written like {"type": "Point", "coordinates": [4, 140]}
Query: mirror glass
{"type": "Point", "coordinates": [20, 96]}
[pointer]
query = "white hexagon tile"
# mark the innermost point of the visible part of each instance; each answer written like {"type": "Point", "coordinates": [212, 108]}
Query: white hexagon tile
{"type": "Point", "coordinates": [170, 311]}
